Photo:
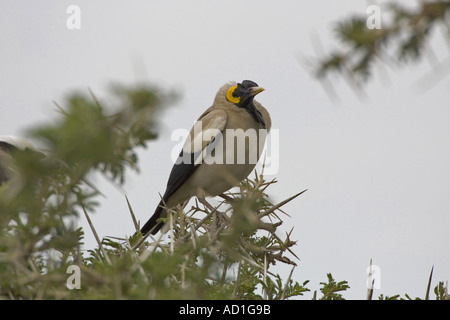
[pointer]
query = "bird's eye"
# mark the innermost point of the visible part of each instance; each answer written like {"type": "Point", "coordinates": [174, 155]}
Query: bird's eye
{"type": "Point", "coordinates": [230, 96]}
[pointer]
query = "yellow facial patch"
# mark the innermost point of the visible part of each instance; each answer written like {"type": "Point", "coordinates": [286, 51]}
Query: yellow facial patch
{"type": "Point", "coordinates": [230, 95]}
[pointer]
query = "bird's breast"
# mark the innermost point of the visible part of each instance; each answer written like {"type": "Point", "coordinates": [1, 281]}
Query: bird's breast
{"type": "Point", "coordinates": [236, 152]}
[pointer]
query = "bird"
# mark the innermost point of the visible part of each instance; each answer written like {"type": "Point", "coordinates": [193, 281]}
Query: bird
{"type": "Point", "coordinates": [8, 145]}
{"type": "Point", "coordinates": [210, 163]}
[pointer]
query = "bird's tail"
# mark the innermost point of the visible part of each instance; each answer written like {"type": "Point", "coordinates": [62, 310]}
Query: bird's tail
{"type": "Point", "coordinates": [152, 225]}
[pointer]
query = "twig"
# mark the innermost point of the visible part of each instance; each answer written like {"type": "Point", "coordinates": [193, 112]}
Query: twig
{"type": "Point", "coordinates": [100, 246]}
{"type": "Point", "coordinates": [427, 295]}
{"type": "Point", "coordinates": [370, 289]}
{"type": "Point", "coordinates": [133, 217]}
{"type": "Point", "coordinates": [265, 277]}
{"type": "Point", "coordinates": [282, 203]}
{"type": "Point", "coordinates": [287, 283]}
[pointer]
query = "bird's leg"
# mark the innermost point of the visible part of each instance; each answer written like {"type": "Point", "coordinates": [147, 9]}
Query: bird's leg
{"type": "Point", "coordinates": [207, 204]}
{"type": "Point", "coordinates": [214, 223]}
{"type": "Point", "coordinates": [218, 217]}
{"type": "Point", "coordinates": [225, 197]}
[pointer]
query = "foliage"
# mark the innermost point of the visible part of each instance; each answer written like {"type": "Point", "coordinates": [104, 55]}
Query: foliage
{"type": "Point", "coordinates": [207, 254]}
{"type": "Point", "coordinates": [330, 288]}
{"type": "Point", "coordinates": [225, 251]}
{"type": "Point", "coordinates": [218, 256]}
{"type": "Point", "coordinates": [401, 39]}
{"type": "Point", "coordinates": [441, 292]}
{"type": "Point", "coordinates": [40, 204]}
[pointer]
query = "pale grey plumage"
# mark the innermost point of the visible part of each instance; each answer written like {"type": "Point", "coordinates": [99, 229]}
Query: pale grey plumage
{"type": "Point", "coordinates": [7, 145]}
{"type": "Point", "coordinates": [207, 141]}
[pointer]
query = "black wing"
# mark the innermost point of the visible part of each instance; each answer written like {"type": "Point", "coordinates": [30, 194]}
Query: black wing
{"type": "Point", "coordinates": [182, 170]}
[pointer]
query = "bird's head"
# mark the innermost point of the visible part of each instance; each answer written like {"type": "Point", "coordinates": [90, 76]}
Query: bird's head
{"type": "Point", "coordinates": [241, 95]}
{"type": "Point", "coordinates": [10, 143]}
{"type": "Point", "coordinates": [13, 144]}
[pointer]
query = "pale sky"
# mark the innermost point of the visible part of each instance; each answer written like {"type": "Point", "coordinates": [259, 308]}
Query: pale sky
{"type": "Point", "coordinates": [376, 169]}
